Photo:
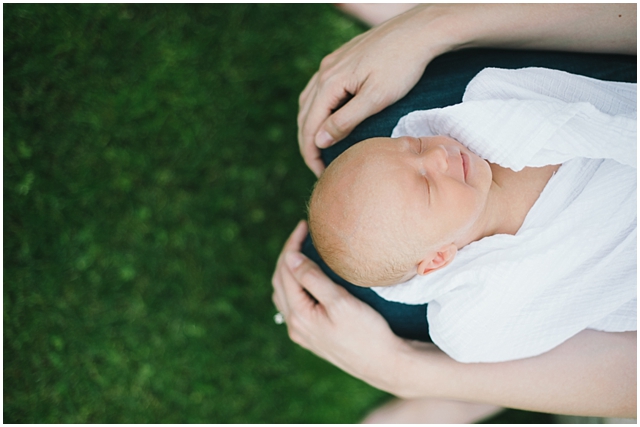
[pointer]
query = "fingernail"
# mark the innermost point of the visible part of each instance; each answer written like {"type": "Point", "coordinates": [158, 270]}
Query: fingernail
{"type": "Point", "coordinates": [294, 260]}
{"type": "Point", "coordinates": [323, 139]}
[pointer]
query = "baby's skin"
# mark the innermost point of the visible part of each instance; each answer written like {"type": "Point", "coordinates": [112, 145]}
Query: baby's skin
{"type": "Point", "coordinates": [388, 209]}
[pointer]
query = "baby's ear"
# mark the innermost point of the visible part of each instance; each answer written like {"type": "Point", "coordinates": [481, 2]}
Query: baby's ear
{"type": "Point", "coordinates": [437, 260]}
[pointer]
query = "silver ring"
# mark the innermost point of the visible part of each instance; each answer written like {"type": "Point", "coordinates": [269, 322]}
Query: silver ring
{"type": "Point", "coordinates": [278, 318]}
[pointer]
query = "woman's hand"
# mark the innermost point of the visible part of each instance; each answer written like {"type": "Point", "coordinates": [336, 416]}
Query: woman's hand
{"type": "Point", "coordinates": [361, 78]}
{"type": "Point", "coordinates": [325, 319]}
{"type": "Point", "coordinates": [379, 67]}
{"type": "Point", "coordinates": [593, 373]}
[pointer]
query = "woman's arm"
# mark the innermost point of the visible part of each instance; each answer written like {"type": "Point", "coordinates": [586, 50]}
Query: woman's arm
{"type": "Point", "coordinates": [379, 67]}
{"type": "Point", "coordinates": [603, 28]}
{"type": "Point", "coordinates": [593, 374]}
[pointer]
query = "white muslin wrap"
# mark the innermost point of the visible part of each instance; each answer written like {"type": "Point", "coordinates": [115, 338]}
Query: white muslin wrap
{"type": "Point", "coordinates": [573, 264]}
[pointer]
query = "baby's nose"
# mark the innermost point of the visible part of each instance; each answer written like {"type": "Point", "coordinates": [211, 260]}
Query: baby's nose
{"type": "Point", "coordinates": [438, 157]}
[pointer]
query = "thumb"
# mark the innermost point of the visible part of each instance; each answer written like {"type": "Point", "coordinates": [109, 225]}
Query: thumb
{"type": "Point", "coordinates": [313, 279]}
{"type": "Point", "coordinates": [340, 124]}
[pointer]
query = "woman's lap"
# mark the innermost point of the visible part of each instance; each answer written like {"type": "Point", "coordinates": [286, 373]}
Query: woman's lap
{"type": "Point", "coordinates": [443, 84]}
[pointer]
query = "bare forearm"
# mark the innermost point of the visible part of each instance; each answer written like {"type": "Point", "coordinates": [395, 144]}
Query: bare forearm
{"type": "Point", "coordinates": [592, 374]}
{"type": "Point", "coordinates": [603, 28]}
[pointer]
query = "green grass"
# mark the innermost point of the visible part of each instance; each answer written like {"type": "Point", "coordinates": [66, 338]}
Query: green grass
{"type": "Point", "coordinates": [151, 176]}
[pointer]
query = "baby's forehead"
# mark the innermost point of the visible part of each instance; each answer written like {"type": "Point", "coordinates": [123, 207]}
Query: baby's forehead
{"type": "Point", "coordinates": [377, 145]}
{"type": "Point", "coordinates": [382, 158]}
{"type": "Point", "coordinates": [382, 178]}
{"type": "Point", "coordinates": [370, 194]}
{"type": "Point", "coordinates": [372, 156]}
{"type": "Point", "coordinates": [370, 173]}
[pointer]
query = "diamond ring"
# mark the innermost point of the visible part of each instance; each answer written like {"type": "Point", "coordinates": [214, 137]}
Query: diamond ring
{"type": "Point", "coordinates": [278, 318]}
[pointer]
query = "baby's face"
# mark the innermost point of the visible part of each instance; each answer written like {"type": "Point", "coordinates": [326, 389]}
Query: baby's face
{"type": "Point", "coordinates": [396, 200]}
{"type": "Point", "coordinates": [438, 182]}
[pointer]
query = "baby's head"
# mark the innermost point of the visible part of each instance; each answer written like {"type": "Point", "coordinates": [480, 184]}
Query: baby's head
{"type": "Point", "coordinates": [388, 209]}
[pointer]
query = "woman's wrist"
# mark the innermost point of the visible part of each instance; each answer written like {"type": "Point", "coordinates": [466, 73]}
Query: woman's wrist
{"type": "Point", "coordinates": [459, 26]}
{"type": "Point", "coordinates": [433, 26]}
{"type": "Point", "coordinates": [591, 374]}
{"type": "Point", "coordinates": [413, 370]}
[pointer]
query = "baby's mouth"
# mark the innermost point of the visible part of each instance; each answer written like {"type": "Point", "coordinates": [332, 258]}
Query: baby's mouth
{"type": "Point", "coordinates": [465, 165]}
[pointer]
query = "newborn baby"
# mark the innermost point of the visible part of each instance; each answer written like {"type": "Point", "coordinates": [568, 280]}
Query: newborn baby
{"type": "Point", "coordinates": [390, 208]}
{"type": "Point", "coordinates": [511, 259]}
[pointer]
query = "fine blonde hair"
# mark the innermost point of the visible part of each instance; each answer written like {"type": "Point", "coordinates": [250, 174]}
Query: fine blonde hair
{"type": "Point", "coordinates": [357, 241]}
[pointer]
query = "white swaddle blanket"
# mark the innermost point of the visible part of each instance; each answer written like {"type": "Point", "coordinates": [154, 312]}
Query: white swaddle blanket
{"type": "Point", "coordinates": [572, 265]}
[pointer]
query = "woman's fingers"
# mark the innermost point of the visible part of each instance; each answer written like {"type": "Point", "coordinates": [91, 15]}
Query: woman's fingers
{"type": "Point", "coordinates": [319, 106]}
{"type": "Point", "coordinates": [326, 91]}
{"type": "Point", "coordinates": [324, 318]}
{"type": "Point", "coordinates": [313, 280]}
{"type": "Point", "coordinates": [312, 157]}
{"type": "Point", "coordinates": [294, 242]}
{"type": "Point", "coordinates": [304, 313]}
{"type": "Point", "coordinates": [296, 299]}
{"type": "Point", "coordinates": [365, 103]}
{"type": "Point", "coordinates": [304, 96]}
{"type": "Point", "coordinates": [306, 100]}
{"type": "Point", "coordinates": [295, 280]}
{"type": "Point", "coordinates": [356, 81]}
{"type": "Point", "coordinates": [279, 299]}
{"type": "Point", "coordinates": [281, 273]}
{"type": "Point", "coordinates": [335, 325]}
{"type": "Point", "coordinates": [310, 152]}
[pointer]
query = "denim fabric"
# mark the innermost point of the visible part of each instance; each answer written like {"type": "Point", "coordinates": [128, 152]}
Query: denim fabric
{"type": "Point", "coordinates": [443, 84]}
